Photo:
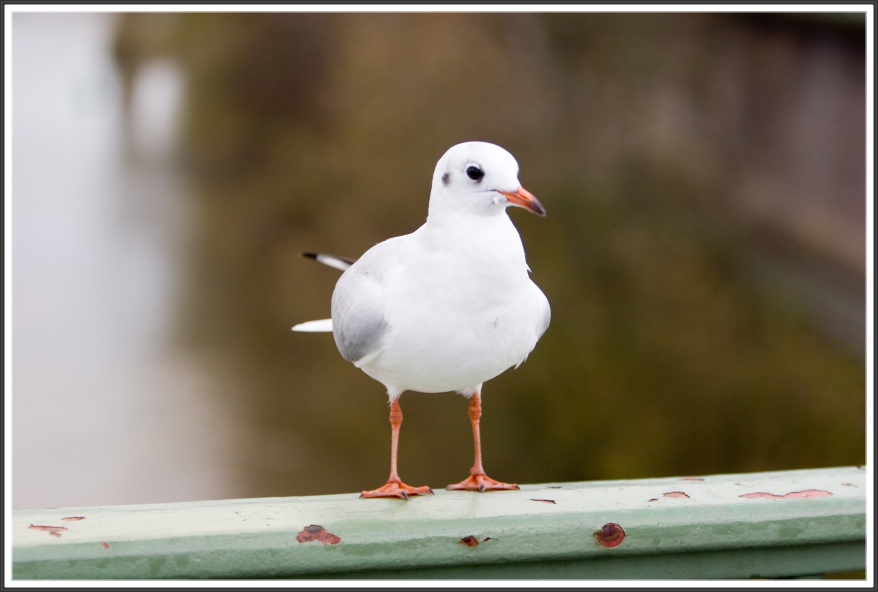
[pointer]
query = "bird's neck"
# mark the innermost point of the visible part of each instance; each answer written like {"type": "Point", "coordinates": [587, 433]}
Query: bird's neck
{"type": "Point", "coordinates": [491, 239]}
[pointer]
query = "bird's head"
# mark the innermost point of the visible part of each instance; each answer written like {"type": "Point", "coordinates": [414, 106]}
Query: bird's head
{"type": "Point", "coordinates": [479, 178]}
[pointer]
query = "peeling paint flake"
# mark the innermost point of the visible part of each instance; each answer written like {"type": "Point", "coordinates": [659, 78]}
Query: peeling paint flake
{"type": "Point", "coordinates": [545, 501]}
{"type": "Point", "coordinates": [315, 532]}
{"type": "Point", "coordinates": [55, 531]}
{"type": "Point", "coordinates": [806, 494]}
{"type": "Point", "coordinates": [673, 495]}
{"type": "Point", "coordinates": [73, 518]}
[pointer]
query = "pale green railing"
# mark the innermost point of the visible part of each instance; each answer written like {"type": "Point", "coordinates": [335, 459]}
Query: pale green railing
{"type": "Point", "coordinates": [770, 525]}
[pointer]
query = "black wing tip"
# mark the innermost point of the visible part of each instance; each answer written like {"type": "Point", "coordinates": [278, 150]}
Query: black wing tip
{"type": "Point", "coordinates": [310, 255]}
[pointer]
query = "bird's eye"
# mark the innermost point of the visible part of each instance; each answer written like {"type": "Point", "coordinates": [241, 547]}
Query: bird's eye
{"type": "Point", "coordinates": [475, 173]}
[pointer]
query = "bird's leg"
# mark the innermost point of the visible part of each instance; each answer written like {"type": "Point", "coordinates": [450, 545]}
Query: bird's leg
{"type": "Point", "coordinates": [394, 487]}
{"type": "Point", "coordinates": [478, 480]}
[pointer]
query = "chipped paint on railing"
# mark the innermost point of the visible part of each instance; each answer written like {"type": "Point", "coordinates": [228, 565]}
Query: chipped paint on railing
{"type": "Point", "coordinates": [778, 524]}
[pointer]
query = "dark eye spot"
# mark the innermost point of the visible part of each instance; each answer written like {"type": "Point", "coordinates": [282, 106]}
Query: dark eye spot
{"type": "Point", "coordinates": [475, 173]}
{"type": "Point", "coordinates": [446, 179]}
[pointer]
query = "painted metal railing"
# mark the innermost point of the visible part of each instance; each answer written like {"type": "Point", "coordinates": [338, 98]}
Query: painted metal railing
{"type": "Point", "coordinates": [770, 525]}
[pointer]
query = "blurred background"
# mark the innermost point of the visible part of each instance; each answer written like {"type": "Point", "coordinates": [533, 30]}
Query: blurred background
{"type": "Point", "coordinates": [704, 250]}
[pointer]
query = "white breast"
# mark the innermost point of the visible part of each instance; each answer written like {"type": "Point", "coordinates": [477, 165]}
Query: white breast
{"type": "Point", "coordinates": [459, 312]}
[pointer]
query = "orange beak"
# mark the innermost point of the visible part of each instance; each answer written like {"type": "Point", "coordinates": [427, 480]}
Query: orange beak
{"type": "Point", "coordinates": [524, 199]}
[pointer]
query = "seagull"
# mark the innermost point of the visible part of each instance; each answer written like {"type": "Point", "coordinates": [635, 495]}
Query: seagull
{"type": "Point", "coordinates": [447, 307]}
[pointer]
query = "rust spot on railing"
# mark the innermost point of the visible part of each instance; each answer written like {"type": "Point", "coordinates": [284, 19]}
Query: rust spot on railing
{"type": "Point", "coordinates": [55, 531]}
{"type": "Point", "coordinates": [315, 532]}
{"type": "Point", "coordinates": [610, 535]}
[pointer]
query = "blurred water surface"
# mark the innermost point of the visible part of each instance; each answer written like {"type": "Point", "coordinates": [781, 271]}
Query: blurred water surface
{"type": "Point", "coordinates": [105, 408]}
{"type": "Point", "coordinates": [704, 250]}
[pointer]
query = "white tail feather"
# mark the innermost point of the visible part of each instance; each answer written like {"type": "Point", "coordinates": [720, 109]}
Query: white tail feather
{"type": "Point", "coordinates": [340, 263]}
{"type": "Point", "coordinates": [321, 326]}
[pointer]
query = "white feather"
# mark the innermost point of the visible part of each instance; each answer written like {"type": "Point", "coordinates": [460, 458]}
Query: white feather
{"type": "Point", "coordinates": [321, 326]}
{"type": "Point", "coordinates": [339, 263]}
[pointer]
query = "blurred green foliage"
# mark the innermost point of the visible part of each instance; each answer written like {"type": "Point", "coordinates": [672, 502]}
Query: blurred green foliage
{"type": "Point", "coordinates": [669, 152]}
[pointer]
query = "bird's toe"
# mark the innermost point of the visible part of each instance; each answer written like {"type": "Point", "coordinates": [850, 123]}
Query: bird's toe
{"type": "Point", "coordinates": [481, 482]}
{"type": "Point", "coordinates": [396, 489]}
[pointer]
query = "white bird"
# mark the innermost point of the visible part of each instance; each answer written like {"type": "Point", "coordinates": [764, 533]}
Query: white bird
{"type": "Point", "coordinates": [447, 307]}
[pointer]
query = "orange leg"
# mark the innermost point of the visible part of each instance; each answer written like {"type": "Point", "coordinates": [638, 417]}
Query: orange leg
{"type": "Point", "coordinates": [394, 487]}
{"type": "Point", "coordinates": [478, 480]}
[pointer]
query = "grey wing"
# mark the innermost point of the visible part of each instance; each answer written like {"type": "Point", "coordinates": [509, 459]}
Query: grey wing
{"type": "Point", "coordinates": [358, 317]}
{"type": "Point", "coordinates": [358, 302]}
{"type": "Point", "coordinates": [358, 306]}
